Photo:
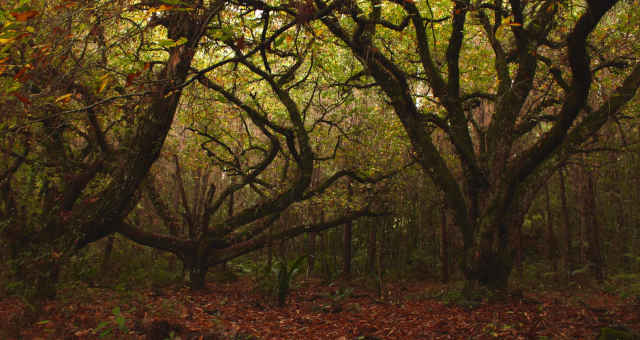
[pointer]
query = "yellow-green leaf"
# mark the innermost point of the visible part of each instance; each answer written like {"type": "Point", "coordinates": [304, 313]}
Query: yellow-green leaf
{"type": "Point", "coordinates": [181, 41]}
{"type": "Point", "coordinates": [167, 43]}
{"type": "Point", "coordinates": [64, 98]}
{"type": "Point", "coordinates": [104, 83]}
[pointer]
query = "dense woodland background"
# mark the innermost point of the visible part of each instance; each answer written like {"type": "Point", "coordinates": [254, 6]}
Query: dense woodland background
{"type": "Point", "coordinates": [490, 145]}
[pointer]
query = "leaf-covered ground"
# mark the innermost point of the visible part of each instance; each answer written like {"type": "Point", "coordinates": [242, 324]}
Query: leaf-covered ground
{"type": "Point", "coordinates": [314, 311]}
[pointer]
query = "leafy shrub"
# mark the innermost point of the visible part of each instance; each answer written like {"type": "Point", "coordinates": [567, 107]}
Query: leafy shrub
{"type": "Point", "coordinates": [83, 267]}
{"type": "Point", "coordinates": [286, 274]}
{"type": "Point", "coordinates": [277, 280]}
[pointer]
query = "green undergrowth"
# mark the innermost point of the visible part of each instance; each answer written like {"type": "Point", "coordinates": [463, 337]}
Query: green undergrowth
{"type": "Point", "coordinates": [129, 267]}
{"type": "Point", "coordinates": [455, 293]}
{"type": "Point", "coordinates": [617, 333]}
{"type": "Point", "coordinates": [625, 285]}
{"type": "Point", "coordinates": [276, 280]}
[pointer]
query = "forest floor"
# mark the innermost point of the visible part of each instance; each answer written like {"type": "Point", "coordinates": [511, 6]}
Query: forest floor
{"type": "Point", "coordinates": [315, 311]}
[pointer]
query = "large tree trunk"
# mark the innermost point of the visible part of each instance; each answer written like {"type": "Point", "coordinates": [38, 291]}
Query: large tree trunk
{"type": "Point", "coordinates": [551, 245]}
{"type": "Point", "coordinates": [196, 266]}
{"type": "Point", "coordinates": [197, 276]}
{"type": "Point", "coordinates": [47, 279]}
{"type": "Point", "coordinates": [490, 260]}
{"type": "Point", "coordinates": [372, 248]}
{"type": "Point", "coordinates": [106, 259]}
{"type": "Point", "coordinates": [518, 250]}
{"type": "Point", "coordinates": [311, 251]}
{"type": "Point", "coordinates": [444, 246]}
{"type": "Point", "coordinates": [594, 254]}
{"type": "Point", "coordinates": [565, 248]}
{"type": "Point", "coordinates": [347, 239]}
{"type": "Point", "coordinates": [491, 265]}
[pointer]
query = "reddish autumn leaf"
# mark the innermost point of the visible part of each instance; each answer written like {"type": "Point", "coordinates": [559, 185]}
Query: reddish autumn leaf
{"type": "Point", "coordinates": [66, 215]}
{"type": "Point", "coordinates": [24, 16]}
{"type": "Point", "coordinates": [70, 4]}
{"type": "Point", "coordinates": [241, 43]}
{"type": "Point", "coordinates": [21, 75]}
{"type": "Point", "coordinates": [132, 76]}
{"type": "Point", "coordinates": [22, 98]}
{"type": "Point", "coordinates": [67, 4]}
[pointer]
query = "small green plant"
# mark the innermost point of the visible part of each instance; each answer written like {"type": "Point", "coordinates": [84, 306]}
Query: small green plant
{"type": "Point", "coordinates": [459, 294]}
{"type": "Point", "coordinates": [342, 294]}
{"type": "Point", "coordinates": [285, 275]}
{"type": "Point", "coordinates": [119, 322]}
{"type": "Point", "coordinates": [276, 280]}
{"type": "Point", "coordinates": [172, 336]}
{"type": "Point", "coordinates": [336, 304]}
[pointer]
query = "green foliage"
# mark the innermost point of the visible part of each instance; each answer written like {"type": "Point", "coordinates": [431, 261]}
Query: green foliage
{"type": "Point", "coordinates": [245, 266]}
{"type": "Point", "coordinates": [341, 294]}
{"type": "Point", "coordinates": [137, 267]}
{"type": "Point", "coordinates": [260, 272]}
{"type": "Point", "coordinates": [422, 264]}
{"type": "Point", "coordinates": [336, 298]}
{"type": "Point", "coordinates": [286, 274]}
{"type": "Point", "coordinates": [494, 328]}
{"type": "Point", "coordinates": [633, 258]}
{"type": "Point", "coordinates": [31, 276]}
{"type": "Point", "coordinates": [118, 322]}
{"type": "Point", "coordinates": [326, 267]}
{"type": "Point", "coordinates": [222, 274]}
{"type": "Point", "coordinates": [84, 267]}
{"type": "Point", "coordinates": [617, 333]}
{"type": "Point", "coordinates": [459, 293]}
{"type": "Point", "coordinates": [536, 275]}
{"type": "Point", "coordinates": [275, 281]}
{"type": "Point", "coordinates": [625, 285]}
{"type": "Point", "coordinates": [241, 336]}
{"type": "Point", "coordinates": [131, 268]}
